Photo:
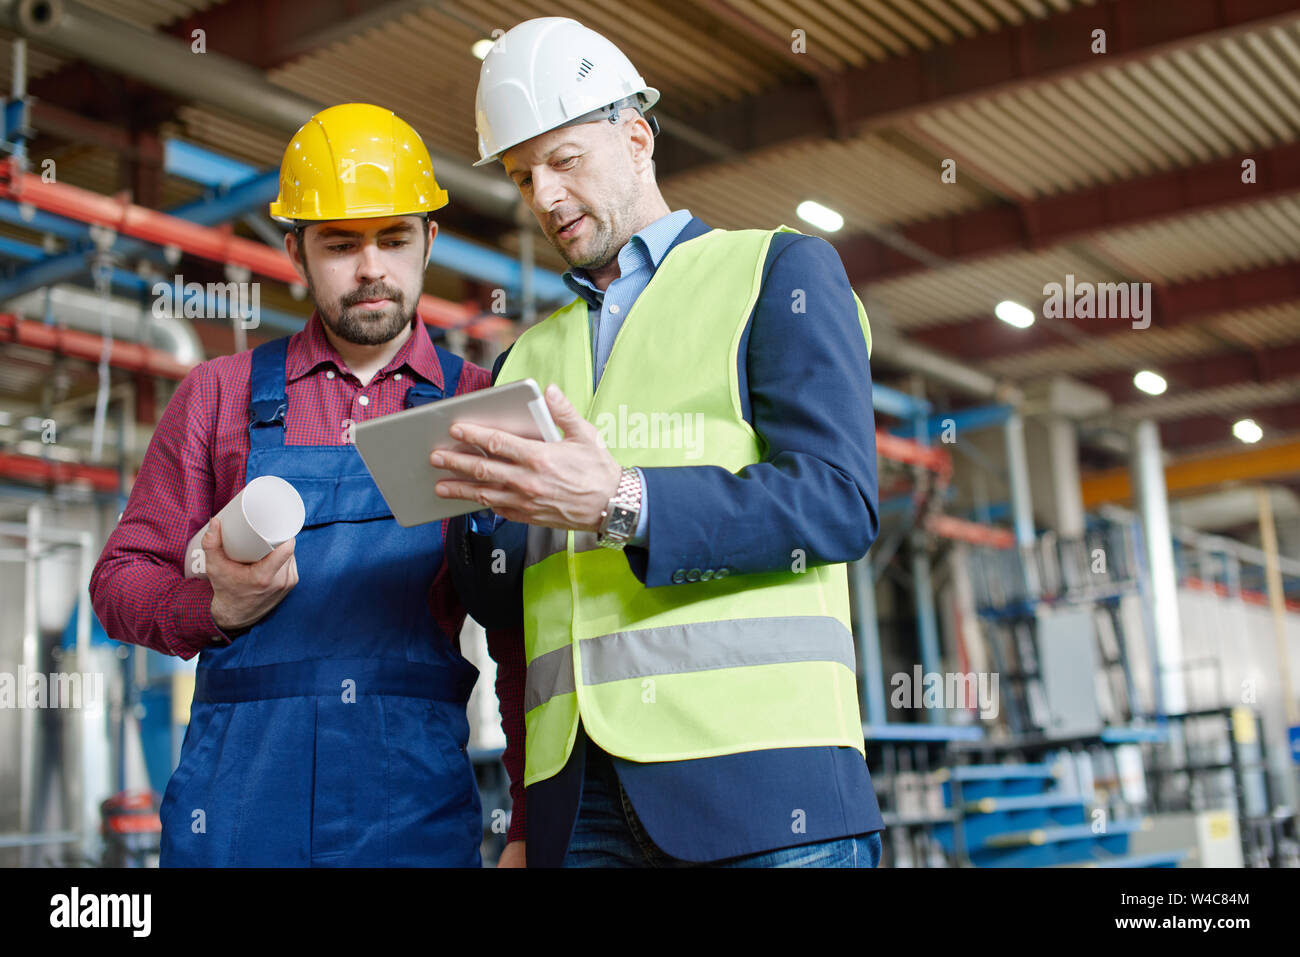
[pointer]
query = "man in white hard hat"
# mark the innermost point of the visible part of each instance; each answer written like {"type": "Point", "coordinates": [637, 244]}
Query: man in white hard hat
{"type": "Point", "coordinates": [691, 695]}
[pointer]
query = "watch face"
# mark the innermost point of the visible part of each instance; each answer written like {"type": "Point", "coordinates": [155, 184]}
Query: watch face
{"type": "Point", "coordinates": [622, 522]}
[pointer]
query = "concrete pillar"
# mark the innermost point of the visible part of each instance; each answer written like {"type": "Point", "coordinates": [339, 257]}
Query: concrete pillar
{"type": "Point", "coordinates": [866, 632]}
{"type": "Point", "coordinates": [1067, 492]}
{"type": "Point", "coordinates": [1153, 505]}
{"type": "Point", "coordinates": [1022, 502]}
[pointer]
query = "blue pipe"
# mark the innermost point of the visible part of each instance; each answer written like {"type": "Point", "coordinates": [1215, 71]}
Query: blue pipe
{"type": "Point", "coordinates": [245, 190]}
{"type": "Point", "coordinates": [497, 268]}
{"type": "Point", "coordinates": [200, 165]}
{"type": "Point", "coordinates": [451, 252]}
{"type": "Point", "coordinates": [15, 249]}
{"type": "Point", "coordinates": [133, 282]}
{"type": "Point", "coordinates": [207, 212]}
{"type": "Point", "coordinates": [965, 420]}
{"type": "Point", "coordinates": [898, 404]}
{"type": "Point", "coordinates": [266, 317]}
{"type": "Point", "coordinates": [44, 222]}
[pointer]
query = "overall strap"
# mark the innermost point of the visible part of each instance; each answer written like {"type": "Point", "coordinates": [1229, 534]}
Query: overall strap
{"type": "Point", "coordinates": [421, 393]}
{"type": "Point", "coordinates": [267, 405]}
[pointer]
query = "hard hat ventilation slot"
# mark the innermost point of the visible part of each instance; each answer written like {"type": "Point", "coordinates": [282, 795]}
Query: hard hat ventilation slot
{"type": "Point", "coordinates": [585, 67]}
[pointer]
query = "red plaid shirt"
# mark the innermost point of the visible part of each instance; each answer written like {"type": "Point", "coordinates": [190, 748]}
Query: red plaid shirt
{"type": "Point", "coordinates": [196, 463]}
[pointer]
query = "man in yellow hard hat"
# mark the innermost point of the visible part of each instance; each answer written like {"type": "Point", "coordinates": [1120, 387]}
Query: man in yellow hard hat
{"type": "Point", "coordinates": [328, 724]}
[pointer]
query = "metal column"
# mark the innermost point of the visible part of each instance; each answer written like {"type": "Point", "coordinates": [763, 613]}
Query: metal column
{"type": "Point", "coordinates": [1063, 443]}
{"type": "Point", "coordinates": [923, 590]}
{"type": "Point", "coordinates": [1153, 504]}
{"type": "Point", "coordinates": [1277, 603]}
{"type": "Point", "coordinates": [1022, 502]}
{"type": "Point", "coordinates": [927, 624]}
{"type": "Point", "coordinates": [31, 665]}
{"type": "Point", "coordinates": [862, 600]}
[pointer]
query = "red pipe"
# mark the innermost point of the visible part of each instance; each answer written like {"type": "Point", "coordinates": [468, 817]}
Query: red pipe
{"type": "Point", "coordinates": [206, 242]}
{"type": "Point", "coordinates": [960, 530]}
{"type": "Point", "coordinates": [29, 468]}
{"type": "Point", "coordinates": [87, 345]}
{"type": "Point", "coordinates": [898, 449]}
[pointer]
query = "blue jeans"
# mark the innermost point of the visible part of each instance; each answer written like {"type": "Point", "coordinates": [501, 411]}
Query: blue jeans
{"type": "Point", "coordinates": [608, 833]}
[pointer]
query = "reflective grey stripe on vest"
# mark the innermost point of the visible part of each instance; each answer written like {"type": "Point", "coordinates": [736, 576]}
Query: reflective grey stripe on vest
{"type": "Point", "coordinates": [544, 542]}
{"type": "Point", "coordinates": [702, 646]}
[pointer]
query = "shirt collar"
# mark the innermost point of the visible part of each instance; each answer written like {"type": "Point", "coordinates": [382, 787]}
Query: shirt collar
{"type": "Point", "coordinates": [311, 348]}
{"type": "Point", "coordinates": [650, 244]}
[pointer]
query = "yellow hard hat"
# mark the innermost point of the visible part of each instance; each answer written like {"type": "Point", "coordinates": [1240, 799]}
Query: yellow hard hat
{"type": "Point", "coordinates": [356, 161]}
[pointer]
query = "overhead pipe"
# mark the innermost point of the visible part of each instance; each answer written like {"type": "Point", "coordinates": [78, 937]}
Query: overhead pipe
{"type": "Point", "coordinates": [962, 420]}
{"type": "Point", "coordinates": [900, 405]}
{"type": "Point", "coordinates": [164, 229]}
{"type": "Point", "coordinates": [202, 165]}
{"type": "Point", "coordinates": [129, 321]}
{"type": "Point", "coordinates": [208, 167]}
{"type": "Point", "coordinates": [39, 471]}
{"type": "Point", "coordinates": [168, 64]}
{"type": "Point", "coordinates": [1230, 507]}
{"type": "Point", "coordinates": [128, 356]}
{"type": "Point", "coordinates": [931, 365]}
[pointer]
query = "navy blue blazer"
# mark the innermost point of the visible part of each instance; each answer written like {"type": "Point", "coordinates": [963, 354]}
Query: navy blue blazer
{"type": "Point", "coordinates": [805, 386]}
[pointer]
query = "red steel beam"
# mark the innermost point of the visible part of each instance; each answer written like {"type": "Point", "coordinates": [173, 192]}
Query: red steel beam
{"type": "Point", "coordinates": [206, 242]}
{"type": "Point", "coordinates": [988, 62]}
{"type": "Point", "coordinates": [1051, 220]}
{"type": "Point", "coordinates": [986, 337]}
{"type": "Point", "coordinates": [29, 468]}
{"type": "Point", "coordinates": [1216, 428]}
{"type": "Point", "coordinates": [1246, 595]}
{"type": "Point", "coordinates": [139, 222]}
{"type": "Point", "coordinates": [1054, 46]}
{"type": "Point", "coordinates": [265, 35]}
{"type": "Point", "coordinates": [897, 449]}
{"type": "Point", "coordinates": [129, 356]}
{"type": "Point", "coordinates": [960, 530]}
{"type": "Point", "coordinates": [1267, 364]}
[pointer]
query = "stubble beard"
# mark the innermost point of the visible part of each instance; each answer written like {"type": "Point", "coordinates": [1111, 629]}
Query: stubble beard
{"type": "Point", "coordinates": [366, 327]}
{"type": "Point", "coordinates": [605, 242]}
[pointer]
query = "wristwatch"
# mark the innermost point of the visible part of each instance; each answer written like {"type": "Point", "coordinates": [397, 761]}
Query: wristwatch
{"type": "Point", "coordinates": [619, 518]}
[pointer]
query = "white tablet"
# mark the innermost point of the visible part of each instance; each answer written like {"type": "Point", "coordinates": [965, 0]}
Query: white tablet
{"type": "Point", "coordinates": [396, 447]}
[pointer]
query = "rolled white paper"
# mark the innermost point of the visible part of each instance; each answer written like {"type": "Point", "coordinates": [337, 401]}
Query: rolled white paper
{"type": "Point", "coordinates": [267, 512]}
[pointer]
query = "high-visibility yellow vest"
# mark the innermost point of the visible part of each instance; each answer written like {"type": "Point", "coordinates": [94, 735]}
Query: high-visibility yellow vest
{"type": "Point", "coordinates": [719, 665]}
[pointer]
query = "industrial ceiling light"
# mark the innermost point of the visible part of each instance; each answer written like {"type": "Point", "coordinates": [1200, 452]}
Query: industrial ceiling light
{"type": "Point", "coordinates": [1248, 431]}
{"type": "Point", "coordinates": [827, 220]}
{"type": "Point", "coordinates": [1152, 383]}
{"type": "Point", "coordinates": [1014, 314]}
{"type": "Point", "coordinates": [481, 47]}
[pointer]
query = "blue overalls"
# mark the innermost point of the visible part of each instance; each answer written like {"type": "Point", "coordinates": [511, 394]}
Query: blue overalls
{"type": "Point", "coordinates": [333, 733]}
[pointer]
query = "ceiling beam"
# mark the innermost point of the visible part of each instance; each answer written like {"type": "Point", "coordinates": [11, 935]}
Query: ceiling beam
{"type": "Point", "coordinates": [267, 35]}
{"type": "Point", "coordinates": [1216, 428]}
{"type": "Point", "coordinates": [887, 91]}
{"type": "Point", "coordinates": [986, 337]}
{"type": "Point", "coordinates": [1032, 224]}
{"type": "Point", "coordinates": [1266, 364]}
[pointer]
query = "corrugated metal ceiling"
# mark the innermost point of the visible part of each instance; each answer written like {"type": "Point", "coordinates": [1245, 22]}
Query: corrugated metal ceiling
{"type": "Point", "coordinates": [1220, 97]}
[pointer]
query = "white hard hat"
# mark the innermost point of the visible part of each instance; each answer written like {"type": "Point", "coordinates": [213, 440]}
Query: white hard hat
{"type": "Point", "coordinates": [547, 73]}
